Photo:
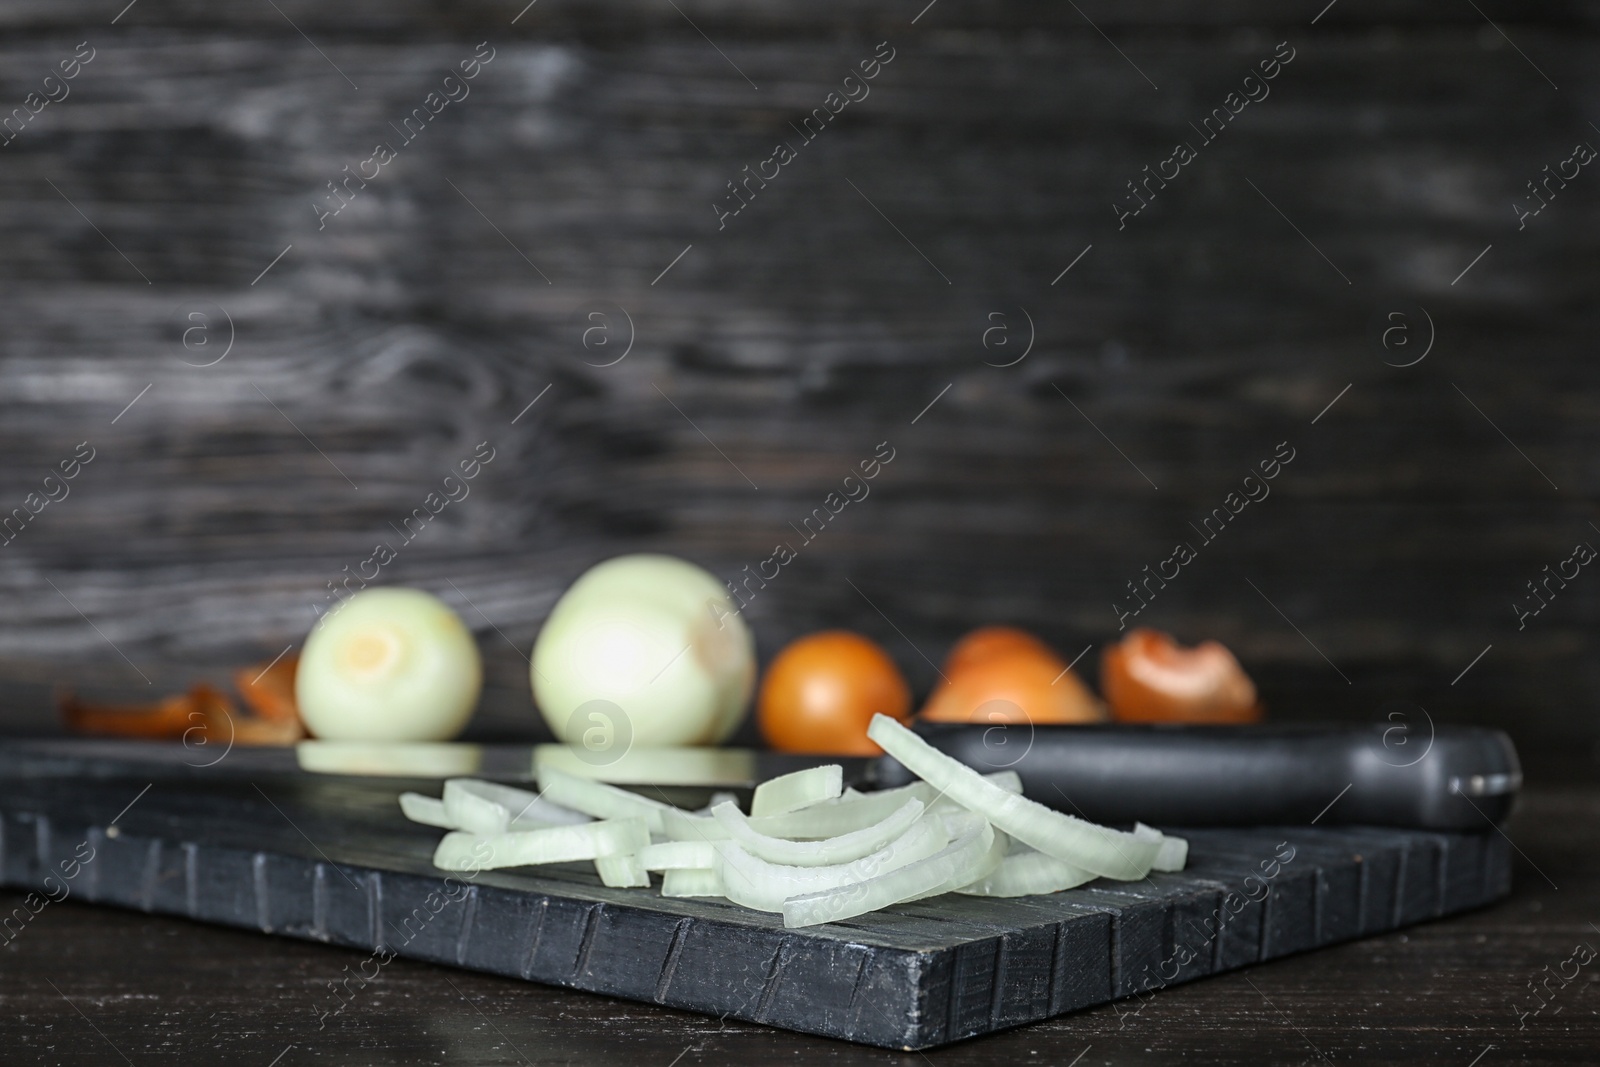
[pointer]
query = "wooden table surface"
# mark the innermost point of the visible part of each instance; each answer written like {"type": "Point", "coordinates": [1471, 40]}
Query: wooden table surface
{"type": "Point", "coordinates": [90, 985]}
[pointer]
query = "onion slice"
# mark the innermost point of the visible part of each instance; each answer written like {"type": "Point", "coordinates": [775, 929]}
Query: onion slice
{"type": "Point", "coordinates": [481, 807]}
{"type": "Point", "coordinates": [1026, 873]}
{"type": "Point", "coordinates": [463, 851]}
{"type": "Point", "coordinates": [963, 860]}
{"type": "Point", "coordinates": [821, 853]}
{"type": "Point", "coordinates": [601, 800]}
{"type": "Point", "coordinates": [1107, 852]}
{"type": "Point", "coordinates": [679, 856]}
{"type": "Point", "coordinates": [790, 792]}
{"type": "Point", "coordinates": [1174, 852]}
{"type": "Point", "coordinates": [429, 811]}
{"type": "Point", "coordinates": [622, 871]}
{"type": "Point", "coordinates": [677, 825]}
{"type": "Point", "coordinates": [691, 882]}
{"type": "Point", "coordinates": [852, 811]}
{"type": "Point", "coordinates": [764, 886]}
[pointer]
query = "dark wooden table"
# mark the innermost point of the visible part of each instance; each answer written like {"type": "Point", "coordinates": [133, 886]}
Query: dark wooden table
{"type": "Point", "coordinates": [91, 985]}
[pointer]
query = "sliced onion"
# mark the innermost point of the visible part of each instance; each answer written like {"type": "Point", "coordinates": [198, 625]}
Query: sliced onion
{"type": "Point", "coordinates": [764, 886]}
{"type": "Point", "coordinates": [1025, 873]}
{"type": "Point", "coordinates": [463, 851]}
{"type": "Point", "coordinates": [845, 814]}
{"type": "Point", "coordinates": [472, 809]}
{"type": "Point", "coordinates": [967, 858]}
{"type": "Point", "coordinates": [1104, 851]}
{"type": "Point", "coordinates": [832, 850]}
{"type": "Point", "coordinates": [691, 882]}
{"type": "Point", "coordinates": [1174, 852]}
{"type": "Point", "coordinates": [852, 811]}
{"type": "Point", "coordinates": [622, 872]}
{"type": "Point", "coordinates": [491, 808]}
{"type": "Point", "coordinates": [678, 856]}
{"type": "Point", "coordinates": [429, 811]}
{"type": "Point", "coordinates": [601, 800]}
{"type": "Point", "coordinates": [790, 792]}
{"type": "Point", "coordinates": [679, 825]}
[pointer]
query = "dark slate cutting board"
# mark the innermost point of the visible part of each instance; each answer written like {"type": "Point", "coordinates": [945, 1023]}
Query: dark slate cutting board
{"type": "Point", "coordinates": [332, 860]}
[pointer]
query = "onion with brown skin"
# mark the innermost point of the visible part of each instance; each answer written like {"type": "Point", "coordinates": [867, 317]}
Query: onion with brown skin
{"type": "Point", "coordinates": [1149, 677]}
{"type": "Point", "coordinates": [987, 642]}
{"type": "Point", "coordinates": [821, 692]}
{"type": "Point", "coordinates": [1003, 675]}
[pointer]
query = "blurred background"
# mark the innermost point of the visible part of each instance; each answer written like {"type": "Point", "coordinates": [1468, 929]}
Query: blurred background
{"type": "Point", "coordinates": [275, 340]}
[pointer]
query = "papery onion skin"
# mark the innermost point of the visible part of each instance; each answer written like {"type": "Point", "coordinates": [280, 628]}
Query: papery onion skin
{"type": "Point", "coordinates": [389, 664]}
{"type": "Point", "coordinates": [1149, 677]}
{"type": "Point", "coordinates": [657, 637]}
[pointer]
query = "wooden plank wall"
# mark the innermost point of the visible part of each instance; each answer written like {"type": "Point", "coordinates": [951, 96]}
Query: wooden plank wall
{"type": "Point", "coordinates": [865, 281]}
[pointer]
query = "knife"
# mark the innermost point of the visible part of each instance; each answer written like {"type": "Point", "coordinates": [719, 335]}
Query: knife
{"type": "Point", "coordinates": [1458, 778]}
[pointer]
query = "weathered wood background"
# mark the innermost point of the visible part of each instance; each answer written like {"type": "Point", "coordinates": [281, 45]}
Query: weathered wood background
{"type": "Point", "coordinates": [855, 290]}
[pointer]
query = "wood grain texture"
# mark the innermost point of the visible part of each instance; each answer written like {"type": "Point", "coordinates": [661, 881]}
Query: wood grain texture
{"type": "Point", "coordinates": [419, 322]}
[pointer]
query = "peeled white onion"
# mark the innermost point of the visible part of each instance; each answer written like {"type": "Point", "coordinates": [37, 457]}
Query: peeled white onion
{"type": "Point", "coordinates": [654, 637]}
{"type": "Point", "coordinates": [389, 665]}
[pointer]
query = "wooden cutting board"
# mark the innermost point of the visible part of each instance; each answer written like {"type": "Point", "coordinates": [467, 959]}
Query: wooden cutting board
{"type": "Point", "coordinates": [332, 860]}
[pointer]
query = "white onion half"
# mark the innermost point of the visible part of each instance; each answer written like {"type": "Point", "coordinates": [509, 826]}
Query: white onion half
{"type": "Point", "coordinates": [658, 638]}
{"type": "Point", "coordinates": [388, 665]}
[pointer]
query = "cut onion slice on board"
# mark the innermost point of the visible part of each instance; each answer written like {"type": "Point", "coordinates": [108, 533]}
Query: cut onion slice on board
{"type": "Point", "coordinates": [790, 792]}
{"type": "Point", "coordinates": [691, 882]}
{"type": "Point", "coordinates": [1174, 852]}
{"type": "Point", "coordinates": [818, 853]}
{"type": "Point", "coordinates": [1025, 873]}
{"type": "Point", "coordinates": [764, 886]}
{"type": "Point", "coordinates": [679, 825]}
{"type": "Point", "coordinates": [622, 872]}
{"type": "Point", "coordinates": [1107, 852]}
{"type": "Point", "coordinates": [600, 800]}
{"type": "Point", "coordinates": [961, 861]}
{"type": "Point", "coordinates": [678, 856]}
{"type": "Point", "coordinates": [429, 811]}
{"type": "Point", "coordinates": [463, 851]}
{"type": "Point", "coordinates": [853, 811]}
{"type": "Point", "coordinates": [491, 808]}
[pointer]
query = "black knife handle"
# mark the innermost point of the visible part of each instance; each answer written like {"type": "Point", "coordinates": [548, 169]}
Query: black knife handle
{"type": "Point", "coordinates": [1453, 778]}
